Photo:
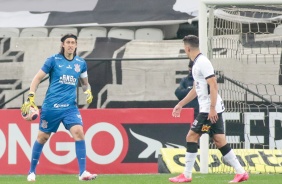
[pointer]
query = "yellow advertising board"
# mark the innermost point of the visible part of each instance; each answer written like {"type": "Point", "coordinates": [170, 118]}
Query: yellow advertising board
{"type": "Point", "coordinates": [253, 160]}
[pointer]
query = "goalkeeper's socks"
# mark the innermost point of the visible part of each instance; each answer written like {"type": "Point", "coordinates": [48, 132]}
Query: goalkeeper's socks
{"type": "Point", "coordinates": [36, 152]}
{"type": "Point", "coordinates": [81, 155]}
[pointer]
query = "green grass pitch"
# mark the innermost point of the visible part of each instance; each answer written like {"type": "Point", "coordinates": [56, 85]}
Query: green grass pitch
{"type": "Point", "coordinates": [142, 179]}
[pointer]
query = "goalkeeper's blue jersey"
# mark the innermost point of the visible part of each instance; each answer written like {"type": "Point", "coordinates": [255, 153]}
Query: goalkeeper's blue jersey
{"type": "Point", "coordinates": [64, 75]}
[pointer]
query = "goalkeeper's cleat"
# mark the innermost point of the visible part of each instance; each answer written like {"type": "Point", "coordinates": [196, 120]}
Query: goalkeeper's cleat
{"type": "Point", "coordinates": [85, 176]}
{"type": "Point", "coordinates": [240, 177]}
{"type": "Point", "coordinates": [31, 176]}
{"type": "Point", "coordinates": [180, 179]}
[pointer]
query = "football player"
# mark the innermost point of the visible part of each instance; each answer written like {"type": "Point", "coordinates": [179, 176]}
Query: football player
{"type": "Point", "coordinates": [65, 70]}
{"type": "Point", "coordinates": [209, 120]}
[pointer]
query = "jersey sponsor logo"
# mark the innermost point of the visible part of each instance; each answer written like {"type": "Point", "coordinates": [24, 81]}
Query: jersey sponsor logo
{"type": "Point", "coordinates": [61, 105]}
{"type": "Point", "coordinates": [197, 85]}
{"type": "Point", "coordinates": [60, 66]}
{"type": "Point", "coordinates": [68, 79]}
{"type": "Point", "coordinates": [77, 68]}
{"type": "Point", "coordinates": [194, 124]}
{"type": "Point", "coordinates": [222, 105]}
{"type": "Point", "coordinates": [58, 58]}
{"type": "Point", "coordinates": [69, 67]}
{"type": "Point", "coordinates": [205, 128]}
{"type": "Point", "coordinates": [79, 116]}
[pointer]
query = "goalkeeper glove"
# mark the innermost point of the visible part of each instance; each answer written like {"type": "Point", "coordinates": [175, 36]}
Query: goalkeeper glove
{"type": "Point", "coordinates": [29, 102]}
{"type": "Point", "coordinates": [89, 96]}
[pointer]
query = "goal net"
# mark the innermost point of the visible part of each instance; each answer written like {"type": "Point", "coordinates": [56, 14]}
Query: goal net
{"type": "Point", "coordinates": [244, 45]}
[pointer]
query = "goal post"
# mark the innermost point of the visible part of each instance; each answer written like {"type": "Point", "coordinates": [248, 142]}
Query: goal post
{"type": "Point", "coordinates": [204, 34]}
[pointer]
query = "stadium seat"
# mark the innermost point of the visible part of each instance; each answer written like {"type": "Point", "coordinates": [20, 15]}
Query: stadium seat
{"type": "Point", "coordinates": [34, 32]}
{"type": "Point", "coordinates": [93, 32]}
{"type": "Point", "coordinates": [278, 30]}
{"type": "Point", "coordinates": [149, 34]}
{"type": "Point", "coordinates": [9, 32]}
{"type": "Point", "coordinates": [122, 33]}
{"type": "Point", "coordinates": [59, 32]}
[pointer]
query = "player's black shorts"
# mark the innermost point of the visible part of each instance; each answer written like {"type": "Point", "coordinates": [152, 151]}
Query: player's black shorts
{"type": "Point", "coordinates": [202, 125]}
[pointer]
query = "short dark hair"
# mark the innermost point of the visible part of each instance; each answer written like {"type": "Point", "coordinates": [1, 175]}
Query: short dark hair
{"type": "Point", "coordinates": [192, 40]}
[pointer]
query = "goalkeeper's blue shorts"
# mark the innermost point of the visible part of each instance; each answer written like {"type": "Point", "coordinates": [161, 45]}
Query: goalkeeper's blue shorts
{"type": "Point", "coordinates": [51, 119]}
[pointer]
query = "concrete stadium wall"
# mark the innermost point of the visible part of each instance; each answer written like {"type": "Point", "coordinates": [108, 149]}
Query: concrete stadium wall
{"type": "Point", "coordinates": [143, 81]}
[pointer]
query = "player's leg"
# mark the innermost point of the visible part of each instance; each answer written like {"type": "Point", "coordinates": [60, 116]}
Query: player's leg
{"type": "Point", "coordinates": [73, 123]}
{"type": "Point", "coordinates": [191, 149]}
{"type": "Point", "coordinates": [49, 122]}
{"type": "Point", "coordinates": [229, 155]}
{"type": "Point", "coordinates": [42, 137]}
{"type": "Point", "coordinates": [217, 132]}
{"type": "Point", "coordinates": [80, 148]}
{"type": "Point", "coordinates": [190, 158]}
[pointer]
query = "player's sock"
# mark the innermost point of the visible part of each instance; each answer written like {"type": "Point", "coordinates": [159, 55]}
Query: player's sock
{"type": "Point", "coordinates": [190, 157]}
{"type": "Point", "coordinates": [231, 158]}
{"type": "Point", "coordinates": [36, 152]}
{"type": "Point", "coordinates": [81, 155]}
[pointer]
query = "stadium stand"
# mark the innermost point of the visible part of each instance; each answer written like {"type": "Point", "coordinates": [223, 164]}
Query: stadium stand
{"type": "Point", "coordinates": [170, 31]}
{"type": "Point", "coordinates": [263, 59]}
{"type": "Point", "coordinates": [149, 34]}
{"type": "Point", "coordinates": [15, 62]}
{"type": "Point", "coordinates": [122, 33]}
{"type": "Point", "coordinates": [92, 32]}
{"type": "Point", "coordinates": [34, 32]}
{"type": "Point", "coordinates": [9, 32]}
{"type": "Point", "coordinates": [59, 32]}
{"type": "Point", "coordinates": [278, 30]}
{"type": "Point", "coordinates": [156, 79]}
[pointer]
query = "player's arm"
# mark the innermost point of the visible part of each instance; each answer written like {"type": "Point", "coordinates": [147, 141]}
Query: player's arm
{"type": "Point", "coordinates": [86, 89]}
{"type": "Point", "coordinates": [213, 98]}
{"type": "Point", "coordinates": [36, 81]}
{"type": "Point", "coordinates": [189, 97]}
{"type": "Point", "coordinates": [84, 84]}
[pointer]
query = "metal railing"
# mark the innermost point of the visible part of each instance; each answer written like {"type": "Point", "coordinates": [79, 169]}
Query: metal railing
{"type": "Point", "coordinates": [2, 105]}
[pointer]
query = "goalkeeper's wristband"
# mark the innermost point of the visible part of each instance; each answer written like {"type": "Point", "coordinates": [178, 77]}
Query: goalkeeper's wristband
{"type": "Point", "coordinates": [86, 87]}
{"type": "Point", "coordinates": [31, 96]}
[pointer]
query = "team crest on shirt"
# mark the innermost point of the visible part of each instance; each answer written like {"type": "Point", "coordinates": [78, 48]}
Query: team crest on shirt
{"type": "Point", "coordinates": [77, 68]}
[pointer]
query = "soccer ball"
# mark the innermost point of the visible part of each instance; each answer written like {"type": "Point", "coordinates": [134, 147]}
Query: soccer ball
{"type": "Point", "coordinates": [31, 115]}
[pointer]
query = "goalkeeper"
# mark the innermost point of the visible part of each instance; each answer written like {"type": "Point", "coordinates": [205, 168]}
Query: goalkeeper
{"type": "Point", "coordinates": [65, 69]}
